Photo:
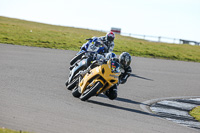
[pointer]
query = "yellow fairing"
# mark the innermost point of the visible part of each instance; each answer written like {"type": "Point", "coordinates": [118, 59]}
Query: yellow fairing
{"type": "Point", "coordinates": [102, 74]}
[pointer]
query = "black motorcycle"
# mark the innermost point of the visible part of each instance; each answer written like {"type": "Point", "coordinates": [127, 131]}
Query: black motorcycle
{"type": "Point", "coordinates": [75, 69]}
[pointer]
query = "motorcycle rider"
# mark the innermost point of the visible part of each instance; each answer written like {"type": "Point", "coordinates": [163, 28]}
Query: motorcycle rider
{"type": "Point", "coordinates": [124, 60]}
{"type": "Point", "coordinates": [108, 41]}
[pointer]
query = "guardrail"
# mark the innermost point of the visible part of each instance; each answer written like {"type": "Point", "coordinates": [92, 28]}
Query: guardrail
{"type": "Point", "coordinates": [160, 39]}
{"type": "Point", "coordinates": [153, 38]}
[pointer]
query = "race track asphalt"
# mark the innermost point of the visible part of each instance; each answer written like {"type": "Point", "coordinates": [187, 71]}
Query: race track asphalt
{"type": "Point", "coordinates": [33, 96]}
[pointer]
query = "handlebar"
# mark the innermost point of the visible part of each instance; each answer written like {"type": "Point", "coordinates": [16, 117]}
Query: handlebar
{"type": "Point", "coordinates": [89, 39]}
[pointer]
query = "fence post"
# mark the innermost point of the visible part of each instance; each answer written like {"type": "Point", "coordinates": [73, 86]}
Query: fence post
{"type": "Point", "coordinates": [159, 38]}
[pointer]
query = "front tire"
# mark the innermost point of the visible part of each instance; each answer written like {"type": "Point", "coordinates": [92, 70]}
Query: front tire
{"type": "Point", "coordinates": [91, 91]}
{"type": "Point", "coordinates": [76, 93]}
{"type": "Point", "coordinates": [66, 83]}
{"type": "Point", "coordinates": [77, 57]}
{"type": "Point", "coordinates": [73, 84]}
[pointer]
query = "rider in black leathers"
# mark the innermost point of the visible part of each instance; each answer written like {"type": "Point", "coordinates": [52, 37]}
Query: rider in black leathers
{"type": "Point", "coordinates": [124, 60]}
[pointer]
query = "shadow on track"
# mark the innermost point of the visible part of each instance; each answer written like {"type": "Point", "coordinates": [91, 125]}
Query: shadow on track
{"type": "Point", "coordinates": [120, 107]}
{"type": "Point", "coordinates": [134, 75]}
{"type": "Point", "coordinates": [129, 101]}
{"type": "Point", "coordinates": [124, 100]}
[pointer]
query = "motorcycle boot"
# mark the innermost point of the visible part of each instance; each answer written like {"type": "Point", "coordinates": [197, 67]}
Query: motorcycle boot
{"type": "Point", "coordinates": [112, 93]}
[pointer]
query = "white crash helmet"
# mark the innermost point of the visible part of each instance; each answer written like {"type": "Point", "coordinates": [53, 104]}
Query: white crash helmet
{"type": "Point", "coordinates": [110, 56]}
{"type": "Point", "coordinates": [110, 36]}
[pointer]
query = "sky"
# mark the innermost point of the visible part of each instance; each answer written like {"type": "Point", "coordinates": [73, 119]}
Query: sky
{"type": "Point", "coordinates": [178, 19]}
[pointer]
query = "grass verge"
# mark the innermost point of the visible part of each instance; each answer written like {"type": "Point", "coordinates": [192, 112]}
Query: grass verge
{"type": "Point", "coordinates": [4, 130]}
{"type": "Point", "coordinates": [195, 113]}
{"type": "Point", "coordinates": [20, 32]}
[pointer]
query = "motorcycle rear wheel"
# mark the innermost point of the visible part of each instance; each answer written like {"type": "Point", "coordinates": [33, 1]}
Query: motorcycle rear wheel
{"type": "Point", "coordinates": [91, 91]}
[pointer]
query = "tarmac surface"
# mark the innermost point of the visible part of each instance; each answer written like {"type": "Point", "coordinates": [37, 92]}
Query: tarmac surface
{"type": "Point", "coordinates": [33, 96]}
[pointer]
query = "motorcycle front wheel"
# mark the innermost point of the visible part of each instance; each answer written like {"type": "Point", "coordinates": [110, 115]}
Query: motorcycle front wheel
{"type": "Point", "coordinates": [76, 93]}
{"type": "Point", "coordinates": [71, 85]}
{"type": "Point", "coordinates": [91, 91]}
{"type": "Point", "coordinates": [77, 57]}
{"type": "Point", "coordinates": [66, 83]}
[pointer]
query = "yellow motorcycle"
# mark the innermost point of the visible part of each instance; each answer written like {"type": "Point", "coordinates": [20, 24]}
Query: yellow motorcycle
{"type": "Point", "coordinates": [98, 80]}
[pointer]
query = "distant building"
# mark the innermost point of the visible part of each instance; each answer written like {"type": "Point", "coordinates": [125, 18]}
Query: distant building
{"type": "Point", "coordinates": [116, 30]}
{"type": "Point", "coordinates": [189, 42]}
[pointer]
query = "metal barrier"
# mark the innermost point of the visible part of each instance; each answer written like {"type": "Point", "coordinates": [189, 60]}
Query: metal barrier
{"type": "Point", "coordinates": [153, 38]}
{"type": "Point", "coordinates": [160, 39]}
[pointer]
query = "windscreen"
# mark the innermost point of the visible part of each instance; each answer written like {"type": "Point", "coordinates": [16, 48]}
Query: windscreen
{"type": "Point", "coordinates": [115, 66]}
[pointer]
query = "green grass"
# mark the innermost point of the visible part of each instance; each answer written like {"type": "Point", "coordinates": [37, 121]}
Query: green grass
{"type": "Point", "coordinates": [196, 113]}
{"type": "Point", "coordinates": [4, 130]}
{"type": "Point", "coordinates": [20, 32]}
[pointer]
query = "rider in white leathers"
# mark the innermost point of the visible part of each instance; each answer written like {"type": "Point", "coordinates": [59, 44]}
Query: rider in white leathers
{"type": "Point", "coordinates": [108, 42]}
